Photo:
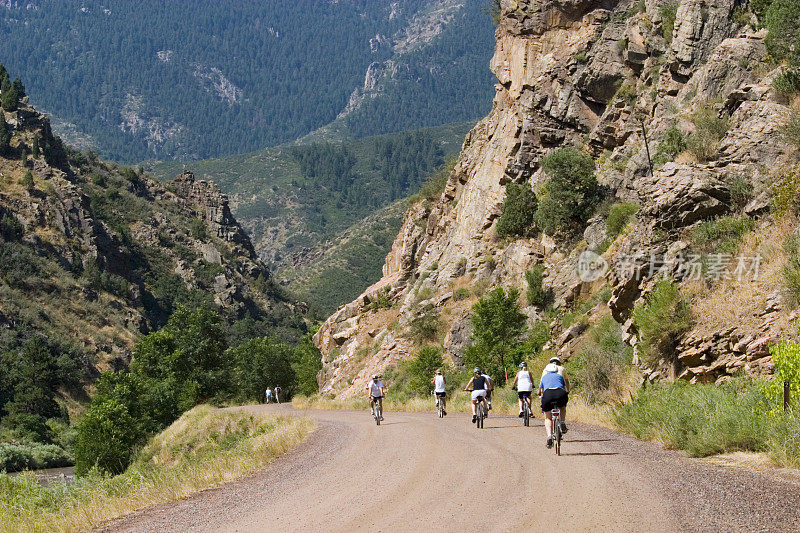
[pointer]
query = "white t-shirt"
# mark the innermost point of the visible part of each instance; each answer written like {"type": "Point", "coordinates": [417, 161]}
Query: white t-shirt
{"type": "Point", "coordinates": [375, 389]}
{"type": "Point", "coordinates": [439, 384]}
{"type": "Point", "coordinates": [524, 381]}
{"type": "Point", "coordinates": [268, 392]}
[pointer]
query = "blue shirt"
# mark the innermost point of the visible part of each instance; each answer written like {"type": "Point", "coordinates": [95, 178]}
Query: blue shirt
{"type": "Point", "coordinates": [552, 380]}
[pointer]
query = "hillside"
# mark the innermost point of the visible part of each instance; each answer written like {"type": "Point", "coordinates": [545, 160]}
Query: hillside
{"type": "Point", "coordinates": [192, 80]}
{"type": "Point", "coordinates": [630, 198]}
{"type": "Point", "coordinates": [94, 255]}
{"type": "Point", "coordinates": [297, 199]}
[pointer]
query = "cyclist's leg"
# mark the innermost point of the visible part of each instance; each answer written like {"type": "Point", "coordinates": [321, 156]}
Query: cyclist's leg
{"type": "Point", "coordinates": [380, 403]}
{"type": "Point", "coordinates": [521, 399]}
{"type": "Point", "coordinates": [548, 423]}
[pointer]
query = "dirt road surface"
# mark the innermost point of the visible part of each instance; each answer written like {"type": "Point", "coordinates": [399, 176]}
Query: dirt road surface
{"type": "Point", "coordinates": [419, 473]}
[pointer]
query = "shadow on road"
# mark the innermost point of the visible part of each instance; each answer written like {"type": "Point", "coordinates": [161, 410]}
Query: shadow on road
{"type": "Point", "coordinates": [582, 454]}
{"type": "Point", "coordinates": [591, 440]}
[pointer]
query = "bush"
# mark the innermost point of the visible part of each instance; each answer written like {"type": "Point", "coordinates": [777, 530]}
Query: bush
{"type": "Point", "coordinates": [462, 293]}
{"type": "Point", "coordinates": [791, 131]}
{"type": "Point", "coordinates": [571, 194]}
{"type": "Point", "coordinates": [786, 356]}
{"type": "Point", "coordinates": [519, 209]}
{"type": "Point", "coordinates": [787, 83]}
{"type": "Point", "coordinates": [618, 217]}
{"type": "Point", "coordinates": [11, 229]}
{"type": "Point", "coordinates": [536, 294]}
{"type": "Point", "coordinates": [710, 128]}
{"type": "Point", "coordinates": [673, 144]}
{"type": "Point", "coordinates": [724, 232]}
{"type": "Point", "coordinates": [782, 19]}
{"type": "Point", "coordinates": [27, 180]}
{"type": "Point", "coordinates": [660, 320]}
{"type": "Point", "coordinates": [306, 362]}
{"type": "Point", "coordinates": [668, 12]}
{"type": "Point", "coordinates": [425, 326]}
{"type": "Point", "coordinates": [197, 229]}
{"type": "Point", "coordinates": [741, 190]}
{"type": "Point", "coordinates": [427, 360]}
{"type": "Point", "coordinates": [598, 368]}
{"type": "Point", "coordinates": [791, 271]}
{"type": "Point", "coordinates": [18, 457]}
{"type": "Point", "coordinates": [107, 437]}
{"type": "Point", "coordinates": [785, 188]}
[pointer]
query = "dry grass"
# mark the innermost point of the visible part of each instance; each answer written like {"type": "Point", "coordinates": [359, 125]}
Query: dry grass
{"type": "Point", "coordinates": [740, 302]}
{"type": "Point", "coordinates": [203, 449]}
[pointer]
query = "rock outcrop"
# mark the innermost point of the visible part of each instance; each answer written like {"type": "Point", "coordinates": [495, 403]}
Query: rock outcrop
{"type": "Point", "coordinates": [597, 75]}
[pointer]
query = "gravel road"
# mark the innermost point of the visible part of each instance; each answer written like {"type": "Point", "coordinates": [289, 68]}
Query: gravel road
{"type": "Point", "coordinates": [419, 473]}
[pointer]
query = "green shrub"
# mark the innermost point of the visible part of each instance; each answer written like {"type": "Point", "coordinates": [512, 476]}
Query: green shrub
{"type": "Point", "coordinates": [581, 57]}
{"type": "Point", "coordinates": [426, 361]}
{"type": "Point", "coordinates": [787, 83]}
{"type": "Point", "coordinates": [627, 91]}
{"type": "Point", "coordinates": [598, 368]}
{"type": "Point", "coordinates": [519, 209]}
{"type": "Point", "coordinates": [197, 229]}
{"type": "Point", "coordinates": [27, 180]}
{"type": "Point", "coordinates": [619, 216]}
{"type": "Point", "coordinates": [18, 457]}
{"type": "Point", "coordinates": [107, 437]}
{"type": "Point", "coordinates": [710, 128]}
{"type": "Point", "coordinates": [425, 326]}
{"type": "Point", "coordinates": [791, 131]}
{"type": "Point", "coordinates": [725, 233]}
{"type": "Point", "coordinates": [572, 193]}
{"type": "Point", "coordinates": [11, 229]}
{"type": "Point", "coordinates": [785, 188]}
{"type": "Point", "coordinates": [668, 13]}
{"type": "Point", "coordinates": [673, 144]}
{"type": "Point", "coordinates": [786, 356]}
{"type": "Point", "coordinates": [306, 362]}
{"type": "Point", "coordinates": [536, 293]}
{"type": "Point", "coordinates": [660, 320]}
{"type": "Point", "coordinates": [782, 19]}
{"type": "Point", "coordinates": [461, 293]}
{"type": "Point", "coordinates": [741, 189]}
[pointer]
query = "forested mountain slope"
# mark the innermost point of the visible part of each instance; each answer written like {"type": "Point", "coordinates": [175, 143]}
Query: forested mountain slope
{"type": "Point", "coordinates": [197, 79]}
{"type": "Point", "coordinates": [295, 200]}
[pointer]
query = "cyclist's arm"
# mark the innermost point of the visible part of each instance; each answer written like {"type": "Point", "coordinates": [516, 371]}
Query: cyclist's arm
{"type": "Point", "coordinates": [515, 380]}
{"type": "Point", "coordinates": [566, 382]}
{"type": "Point", "coordinates": [469, 384]}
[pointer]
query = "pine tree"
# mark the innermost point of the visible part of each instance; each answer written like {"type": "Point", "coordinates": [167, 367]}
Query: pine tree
{"type": "Point", "coordinates": [19, 87]}
{"type": "Point", "coordinates": [10, 98]}
{"type": "Point", "coordinates": [5, 135]}
{"type": "Point", "coordinates": [35, 151]}
{"type": "Point", "coordinates": [27, 180]}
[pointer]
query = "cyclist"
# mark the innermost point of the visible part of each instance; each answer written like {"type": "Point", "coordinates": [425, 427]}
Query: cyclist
{"type": "Point", "coordinates": [478, 384]}
{"type": "Point", "coordinates": [489, 389]}
{"type": "Point", "coordinates": [376, 392]}
{"type": "Point", "coordinates": [268, 394]}
{"type": "Point", "coordinates": [440, 389]}
{"type": "Point", "coordinates": [524, 383]}
{"type": "Point", "coordinates": [554, 391]}
{"type": "Point", "coordinates": [278, 394]}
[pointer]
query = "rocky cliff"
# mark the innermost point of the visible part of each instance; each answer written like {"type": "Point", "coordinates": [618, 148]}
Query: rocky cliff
{"type": "Point", "coordinates": [94, 254]}
{"type": "Point", "coordinates": [614, 79]}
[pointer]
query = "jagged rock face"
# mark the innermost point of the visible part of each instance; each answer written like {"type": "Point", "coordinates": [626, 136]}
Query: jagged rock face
{"type": "Point", "coordinates": [560, 66]}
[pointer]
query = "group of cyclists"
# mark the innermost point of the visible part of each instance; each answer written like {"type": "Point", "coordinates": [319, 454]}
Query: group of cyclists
{"type": "Point", "coordinates": [553, 391]}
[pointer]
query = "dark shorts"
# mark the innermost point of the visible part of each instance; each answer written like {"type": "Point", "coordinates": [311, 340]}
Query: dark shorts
{"type": "Point", "coordinates": [375, 397]}
{"type": "Point", "coordinates": [524, 394]}
{"type": "Point", "coordinates": [554, 398]}
{"type": "Point", "coordinates": [441, 394]}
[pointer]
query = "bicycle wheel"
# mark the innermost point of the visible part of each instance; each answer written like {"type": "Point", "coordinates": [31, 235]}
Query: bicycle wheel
{"type": "Point", "coordinates": [377, 413]}
{"type": "Point", "coordinates": [557, 436]}
{"type": "Point", "coordinates": [481, 415]}
{"type": "Point", "coordinates": [526, 413]}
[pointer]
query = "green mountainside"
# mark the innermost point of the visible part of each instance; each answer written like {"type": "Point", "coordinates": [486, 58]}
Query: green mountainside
{"type": "Point", "coordinates": [198, 79]}
{"type": "Point", "coordinates": [295, 200]}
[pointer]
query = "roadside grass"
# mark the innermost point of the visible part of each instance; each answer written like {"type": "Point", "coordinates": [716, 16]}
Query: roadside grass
{"type": "Point", "coordinates": [204, 448]}
{"type": "Point", "coordinates": [712, 419]}
{"type": "Point", "coordinates": [504, 402]}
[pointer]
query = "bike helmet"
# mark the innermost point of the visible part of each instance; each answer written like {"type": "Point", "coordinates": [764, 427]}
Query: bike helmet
{"type": "Point", "coordinates": [477, 371]}
{"type": "Point", "coordinates": [555, 360]}
{"type": "Point", "coordinates": [374, 376]}
{"type": "Point", "coordinates": [523, 365]}
{"type": "Point", "coordinates": [438, 371]}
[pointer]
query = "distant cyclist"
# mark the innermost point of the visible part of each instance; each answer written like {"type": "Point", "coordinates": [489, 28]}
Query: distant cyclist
{"type": "Point", "coordinates": [440, 389]}
{"type": "Point", "coordinates": [278, 394]}
{"type": "Point", "coordinates": [554, 390]}
{"type": "Point", "coordinates": [524, 383]}
{"type": "Point", "coordinates": [376, 392]}
{"type": "Point", "coordinates": [478, 386]}
{"type": "Point", "coordinates": [268, 395]}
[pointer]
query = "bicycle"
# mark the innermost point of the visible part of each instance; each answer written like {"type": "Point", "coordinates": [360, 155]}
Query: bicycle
{"type": "Point", "coordinates": [556, 414]}
{"type": "Point", "coordinates": [480, 411]}
{"type": "Point", "coordinates": [526, 412]}
{"type": "Point", "coordinates": [440, 406]}
{"type": "Point", "coordinates": [376, 411]}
